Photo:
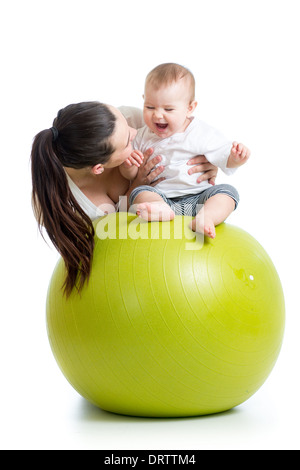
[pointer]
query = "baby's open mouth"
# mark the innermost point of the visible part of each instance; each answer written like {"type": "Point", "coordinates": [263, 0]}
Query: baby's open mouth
{"type": "Point", "coordinates": [161, 126]}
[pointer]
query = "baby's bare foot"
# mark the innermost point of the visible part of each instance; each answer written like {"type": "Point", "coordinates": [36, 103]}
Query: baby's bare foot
{"type": "Point", "coordinates": [155, 211]}
{"type": "Point", "coordinates": [207, 227]}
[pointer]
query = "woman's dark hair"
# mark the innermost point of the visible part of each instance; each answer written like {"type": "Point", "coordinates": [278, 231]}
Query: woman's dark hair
{"type": "Point", "coordinates": [80, 138]}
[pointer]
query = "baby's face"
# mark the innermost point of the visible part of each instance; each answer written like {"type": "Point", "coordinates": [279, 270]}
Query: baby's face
{"type": "Point", "coordinates": [167, 109]}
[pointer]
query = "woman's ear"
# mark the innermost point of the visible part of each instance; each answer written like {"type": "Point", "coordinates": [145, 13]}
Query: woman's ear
{"type": "Point", "coordinates": [191, 108]}
{"type": "Point", "coordinates": [97, 169]}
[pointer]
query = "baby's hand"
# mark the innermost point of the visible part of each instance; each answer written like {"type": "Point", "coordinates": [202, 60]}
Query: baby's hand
{"type": "Point", "coordinates": [239, 154]}
{"type": "Point", "coordinates": [136, 158]}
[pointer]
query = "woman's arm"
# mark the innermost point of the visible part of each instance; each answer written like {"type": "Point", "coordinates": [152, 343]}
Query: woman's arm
{"type": "Point", "coordinates": [133, 116]}
{"type": "Point", "coordinates": [148, 172]}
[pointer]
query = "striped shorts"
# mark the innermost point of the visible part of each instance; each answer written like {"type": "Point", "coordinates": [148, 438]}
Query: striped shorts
{"type": "Point", "coordinates": [189, 204]}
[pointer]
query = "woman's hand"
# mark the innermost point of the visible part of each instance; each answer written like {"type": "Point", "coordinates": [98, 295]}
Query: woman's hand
{"type": "Point", "coordinates": [201, 164]}
{"type": "Point", "coordinates": [148, 171]}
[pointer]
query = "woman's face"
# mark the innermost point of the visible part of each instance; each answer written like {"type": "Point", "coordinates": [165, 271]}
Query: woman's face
{"type": "Point", "coordinates": [121, 140]}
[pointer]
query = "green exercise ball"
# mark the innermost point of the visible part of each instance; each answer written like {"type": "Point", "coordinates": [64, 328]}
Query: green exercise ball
{"type": "Point", "coordinates": [168, 325]}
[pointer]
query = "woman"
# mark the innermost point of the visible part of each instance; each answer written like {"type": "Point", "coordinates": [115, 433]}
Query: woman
{"type": "Point", "coordinates": [75, 177]}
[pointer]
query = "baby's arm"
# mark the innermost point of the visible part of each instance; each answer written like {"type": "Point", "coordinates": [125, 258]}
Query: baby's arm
{"type": "Point", "coordinates": [129, 168]}
{"type": "Point", "coordinates": [238, 156]}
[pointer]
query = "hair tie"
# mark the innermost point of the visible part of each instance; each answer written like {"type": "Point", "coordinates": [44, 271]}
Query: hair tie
{"type": "Point", "coordinates": [54, 133]}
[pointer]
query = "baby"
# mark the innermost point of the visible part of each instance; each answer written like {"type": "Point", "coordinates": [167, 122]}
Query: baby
{"type": "Point", "coordinates": [174, 134]}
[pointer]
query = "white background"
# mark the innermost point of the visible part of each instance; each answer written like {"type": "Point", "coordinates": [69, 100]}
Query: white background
{"type": "Point", "coordinates": [245, 57]}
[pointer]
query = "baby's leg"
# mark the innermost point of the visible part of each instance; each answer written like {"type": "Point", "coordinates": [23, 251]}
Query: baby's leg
{"type": "Point", "coordinates": [214, 212]}
{"type": "Point", "coordinates": [152, 207]}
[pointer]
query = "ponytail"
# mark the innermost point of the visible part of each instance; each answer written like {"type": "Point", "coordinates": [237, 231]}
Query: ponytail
{"type": "Point", "coordinates": [68, 227]}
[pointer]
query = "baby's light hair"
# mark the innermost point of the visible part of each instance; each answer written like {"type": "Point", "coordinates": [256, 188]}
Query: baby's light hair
{"type": "Point", "coordinates": [165, 74]}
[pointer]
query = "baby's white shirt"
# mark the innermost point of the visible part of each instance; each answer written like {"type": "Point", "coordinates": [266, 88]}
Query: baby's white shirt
{"type": "Point", "coordinates": [199, 138]}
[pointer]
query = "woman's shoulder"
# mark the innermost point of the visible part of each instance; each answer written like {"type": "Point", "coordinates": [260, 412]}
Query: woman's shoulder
{"type": "Point", "coordinates": [134, 116]}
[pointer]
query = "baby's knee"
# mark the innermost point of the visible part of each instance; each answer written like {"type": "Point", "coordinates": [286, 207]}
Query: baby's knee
{"type": "Point", "coordinates": [227, 189]}
{"type": "Point", "coordinates": [135, 192]}
{"type": "Point", "coordinates": [232, 192]}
